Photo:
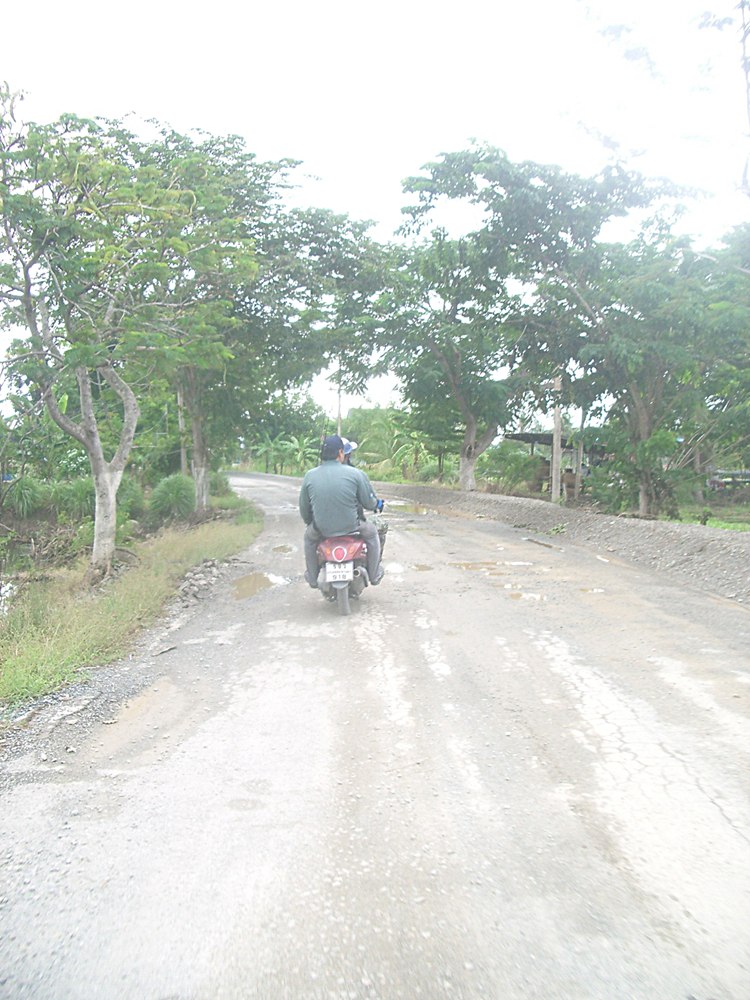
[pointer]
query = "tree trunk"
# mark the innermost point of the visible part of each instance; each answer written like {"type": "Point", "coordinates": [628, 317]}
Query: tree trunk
{"type": "Point", "coordinates": [641, 424]}
{"type": "Point", "coordinates": [556, 446]}
{"type": "Point", "coordinates": [105, 520]}
{"type": "Point", "coordinates": [578, 485]}
{"type": "Point", "coordinates": [191, 390]}
{"type": "Point", "coordinates": [201, 475]}
{"type": "Point", "coordinates": [466, 478]}
{"type": "Point", "coordinates": [646, 497]}
{"type": "Point", "coordinates": [181, 429]}
{"type": "Point", "coordinates": [471, 448]}
{"type": "Point", "coordinates": [107, 475]}
{"type": "Point", "coordinates": [698, 493]}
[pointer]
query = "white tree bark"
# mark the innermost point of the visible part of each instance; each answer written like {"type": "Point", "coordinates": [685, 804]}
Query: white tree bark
{"type": "Point", "coordinates": [191, 394]}
{"type": "Point", "coordinates": [107, 474]}
{"type": "Point", "coordinates": [471, 449]}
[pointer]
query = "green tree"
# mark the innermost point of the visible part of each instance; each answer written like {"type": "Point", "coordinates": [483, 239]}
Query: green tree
{"type": "Point", "coordinates": [288, 323]}
{"type": "Point", "coordinates": [387, 440]}
{"type": "Point", "coordinates": [635, 332]}
{"type": "Point", "coordinates": [456, 324]}
{"type": "Point", "coordinates": [207, 261]}
{"type": "Point", "coordinates": [449, 328]}
{"type": "Point", "coordinates": [115, 257]}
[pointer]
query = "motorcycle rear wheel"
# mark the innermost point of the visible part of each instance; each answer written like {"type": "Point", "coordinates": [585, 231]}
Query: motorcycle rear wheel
{"type": "Point", "coordinates": [342, 600]}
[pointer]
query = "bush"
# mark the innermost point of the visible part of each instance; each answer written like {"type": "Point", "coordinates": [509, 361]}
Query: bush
{"type": "Point", "coordinates": [610, 490]}
{"type": "Point", "coordinates": [83, 540]}
{"type": "Point", "coordinates": [74, 499]}
{"type": "Point", "coordinates": [26, 496]}
{"type": "Point", "coordinates": [131, 501]}
{"type": "Point", "coordinates": [430, 473]}
{"type": "Point", "coordinates": [173, 498]}
{"type": "Point", "coordinates": [219, 485]}
{"type": "Point", "coordinates": [509, 466]}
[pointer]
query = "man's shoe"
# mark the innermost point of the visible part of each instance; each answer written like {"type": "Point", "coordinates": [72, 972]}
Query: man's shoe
{"type": "Point", "coordinates": [312, 583]}
{"type": "Point", "coordinates": [378, 576]}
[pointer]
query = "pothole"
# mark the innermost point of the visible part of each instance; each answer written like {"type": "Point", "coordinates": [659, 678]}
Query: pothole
{"type": "Point", "coordinates": [253, 583]}
{"type": "Point", "coordinates": [402, 507]}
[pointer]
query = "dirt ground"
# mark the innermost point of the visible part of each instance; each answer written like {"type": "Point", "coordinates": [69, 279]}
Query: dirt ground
{"type": "Point", "coordinates": [710, 559]}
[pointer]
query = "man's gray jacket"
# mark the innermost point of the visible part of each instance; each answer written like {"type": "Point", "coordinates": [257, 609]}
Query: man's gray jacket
{"type": "Point", "coordinates": [331, 495]}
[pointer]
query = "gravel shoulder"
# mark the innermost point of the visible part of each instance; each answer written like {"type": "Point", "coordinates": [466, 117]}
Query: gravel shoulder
{"type": "Point", "coordinates": [708, 559]}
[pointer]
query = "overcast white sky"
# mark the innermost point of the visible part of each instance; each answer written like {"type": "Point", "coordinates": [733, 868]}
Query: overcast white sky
{"type": "Point", "coordinates": [364, 94]}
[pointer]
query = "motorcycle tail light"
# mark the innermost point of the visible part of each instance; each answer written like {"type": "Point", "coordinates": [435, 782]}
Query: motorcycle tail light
{"type": "Point", "coordinates": [343, 549]}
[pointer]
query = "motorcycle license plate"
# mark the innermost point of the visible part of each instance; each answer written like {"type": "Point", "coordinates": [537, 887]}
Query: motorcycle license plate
{"type": "Point", "coordinates": [336, 572]}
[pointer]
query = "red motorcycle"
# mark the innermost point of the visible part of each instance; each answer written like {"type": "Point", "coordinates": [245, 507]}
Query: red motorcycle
{"type": "Point", "coordinates": [342, 565]}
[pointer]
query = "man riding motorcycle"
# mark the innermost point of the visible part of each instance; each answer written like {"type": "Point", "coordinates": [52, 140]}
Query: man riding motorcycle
{"type": "Point", "coordinates": [329, 502]}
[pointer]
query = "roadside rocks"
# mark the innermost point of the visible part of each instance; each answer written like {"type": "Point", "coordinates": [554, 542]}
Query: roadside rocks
{"type": "Point", "coordinates": [198, 580]}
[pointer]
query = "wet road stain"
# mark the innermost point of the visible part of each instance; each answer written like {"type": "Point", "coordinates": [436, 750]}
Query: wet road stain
{"type": "Point", "coordinates": [396, 507]}
{"type": "Point", "coordinates": [250, 585]}
{"type": "Point", "coordinates": [422, 569]}
{"type": "Point", "coordinates": [283, 548]}
{"type": "Point", "coordinates": [489, 568]}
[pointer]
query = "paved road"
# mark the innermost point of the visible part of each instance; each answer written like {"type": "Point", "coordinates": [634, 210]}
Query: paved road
{"type": "Point", "coordinates": [517, 771]}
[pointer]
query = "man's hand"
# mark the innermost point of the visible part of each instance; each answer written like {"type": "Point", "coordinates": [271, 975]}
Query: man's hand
{"type": "Point", "coordinates": [379, 506]}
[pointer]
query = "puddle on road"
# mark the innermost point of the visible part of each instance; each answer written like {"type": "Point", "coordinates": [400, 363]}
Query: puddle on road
{"type": "Point", "coordinates": [421, 568]}
{"type": "Point", "coordinates": [401, 507]}
{"type": "Point", "coordinates": [489, 568]}
{"type": "Point", "coordinates": [285, 549]}
{"type": "Point", "coordinates": [253, 583]}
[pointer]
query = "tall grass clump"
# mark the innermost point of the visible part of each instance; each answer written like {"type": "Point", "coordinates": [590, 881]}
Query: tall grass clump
{"type": "Point", "coordinates": [74, 499]}
{"type": "Point", "coordinates": [27, 496]}
{"type": "Point", "coordinates": [131, 501]}
{"type": "Point", "coordinates": [173, 499]}
{"type": "Point", "coordinates": [219, 484]}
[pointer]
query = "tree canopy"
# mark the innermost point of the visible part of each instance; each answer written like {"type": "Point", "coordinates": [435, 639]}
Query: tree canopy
{"type": "Point", "coordinates": [173, 304]}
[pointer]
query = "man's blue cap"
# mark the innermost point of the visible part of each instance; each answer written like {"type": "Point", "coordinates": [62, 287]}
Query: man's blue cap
{"type": "Point", "coordinates": [332, 445]}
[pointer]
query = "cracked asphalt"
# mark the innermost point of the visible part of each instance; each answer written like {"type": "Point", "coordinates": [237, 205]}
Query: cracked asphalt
{"type": "Point", "coordinates": [519, 769]}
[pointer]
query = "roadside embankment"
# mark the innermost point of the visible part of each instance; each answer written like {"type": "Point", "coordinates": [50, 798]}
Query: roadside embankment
{"type": "Point", "coordinates": [709, 559]}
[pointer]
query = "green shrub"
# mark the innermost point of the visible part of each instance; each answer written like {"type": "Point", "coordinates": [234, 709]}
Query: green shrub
{"type": "Point", "coordinates": [173, 498]}
{"type": "Point", "coordinates": [219, 484]}
{"type": "Point", "coordinates": [27, 496]}
{"type": "Point", "coordinates": [431, 473]}
{"type": "Point", "coordinates": [84, 536]}
{"type": "Point", "coordinates": [610, 490]}
{"type": "Point", "coordinates": [511, 466]}
{"type": "Point", "coordinates": [74, 499]}
{"type": "Point", "coordinates": [131, 501]}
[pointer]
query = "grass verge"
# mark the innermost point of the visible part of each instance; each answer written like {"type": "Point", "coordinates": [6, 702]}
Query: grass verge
{"type": "Point", "coordinates": [729, 517]}
{"type": "Point", "coordinates": [58, 626]}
